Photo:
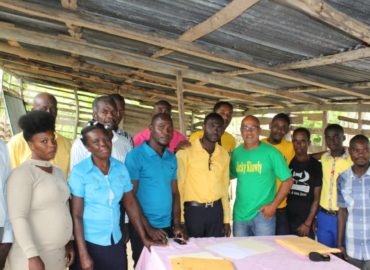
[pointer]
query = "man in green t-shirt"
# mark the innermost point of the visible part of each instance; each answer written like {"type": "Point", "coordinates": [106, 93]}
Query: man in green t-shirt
{"type": "Point", "coordinates": [256, 165]}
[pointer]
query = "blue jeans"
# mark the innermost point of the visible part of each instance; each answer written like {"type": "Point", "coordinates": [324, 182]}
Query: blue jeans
{"type": "Point", "coordinates": [327, 229]}
{"type": "Point", "coordinates": [258, 226]}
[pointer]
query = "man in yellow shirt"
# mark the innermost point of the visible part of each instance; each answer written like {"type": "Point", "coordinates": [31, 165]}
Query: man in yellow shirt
{"type": "Point", "coordinates": [225, 109]}
{"type": "Point", "coordinates": [333, 163]}
{"type": "Point", "coordinates": [203, 181]}
{"type": "Point", "coordinates": [279, 128]}
{"type": "Point", "coordinates": [18, 147]}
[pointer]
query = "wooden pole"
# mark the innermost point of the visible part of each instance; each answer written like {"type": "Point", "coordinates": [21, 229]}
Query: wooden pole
{"type": "Point", "coordinates": [324, 124]}
{"type": "Point", "coordinates": [77, 113]}
{"type": "Point", "coordinates": [360, 122]}
{"type": "Point", "coordinates": [192, 121]}
{"type": "Point", "coordinates": [180, 102]}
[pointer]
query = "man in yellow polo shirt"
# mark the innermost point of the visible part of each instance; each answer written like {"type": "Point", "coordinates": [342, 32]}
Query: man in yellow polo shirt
{"type": "Point", "coordinates": [225, 109]}
{"type": "Point", "coordinates": [333, 163]}
{"type": "Point", "coordinates": [18, 147]}
{"type": "Point", "coordinates": [203, 181]}
{"type": "Point", "coordinates": [279, 128]}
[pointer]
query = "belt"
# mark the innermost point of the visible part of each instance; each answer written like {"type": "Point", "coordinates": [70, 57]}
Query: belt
{"type": "Point", "coordinates": [205, 205]}
{"type": "Point", "coordinates": [329, 212]}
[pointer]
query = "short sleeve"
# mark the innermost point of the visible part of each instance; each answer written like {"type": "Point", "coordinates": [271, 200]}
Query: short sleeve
{"type": "Point", "coordinates": [281, 168]}
{"type": "Point", "coordinates": [128, 185]}
{"type": "Point", "coordinates": [76, 184]}
{"type": "Point", "coordinates": [132, 164]}
{"type": "Point", "coordinates": [341, 202]}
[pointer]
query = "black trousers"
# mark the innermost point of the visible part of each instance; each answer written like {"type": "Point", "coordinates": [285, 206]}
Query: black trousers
{"type": "Point", "coordinates": [111, 257]}
{"type": "Point", "coordinates": [203, 221]}
{"type": "Point", "coordinates": [282, 223]}
{"type": "Point", "coordinates": [136, 243]}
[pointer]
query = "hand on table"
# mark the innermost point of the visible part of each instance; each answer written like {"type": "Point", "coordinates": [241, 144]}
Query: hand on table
{"type": "Point", "coordinates": [343, 252]}
{"type": "Point", "coordinates": [227, 229]}
{"type": "Point", "coordinates": [148, 243]}
{"type": "Point", "coordinates": [304, 230]}
{"type": "Point", "coordinates": [157, 235]}
{"type": "Point", "coordinates": [179, 232]}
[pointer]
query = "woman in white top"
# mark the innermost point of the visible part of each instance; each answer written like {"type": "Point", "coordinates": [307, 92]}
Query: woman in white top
{"type": "Point", "coordinates": [38, 202]}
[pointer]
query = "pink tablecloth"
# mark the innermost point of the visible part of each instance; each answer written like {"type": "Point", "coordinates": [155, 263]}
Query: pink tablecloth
{"type": "Point", "coordinates": [278, 258]}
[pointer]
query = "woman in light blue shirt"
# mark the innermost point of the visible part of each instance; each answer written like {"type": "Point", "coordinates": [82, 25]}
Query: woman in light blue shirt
{"type": "Point", "coordinates": [98, 184]}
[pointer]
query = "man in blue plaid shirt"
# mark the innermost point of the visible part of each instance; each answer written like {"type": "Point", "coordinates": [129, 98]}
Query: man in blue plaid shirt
{"type": "Point", "coordinates": [354, 207]}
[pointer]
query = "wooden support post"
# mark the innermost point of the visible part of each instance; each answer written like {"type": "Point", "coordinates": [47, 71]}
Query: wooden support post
{"type": "Point", "coordinates": [180, 102]}
{"type": "Point", "coordinates": [360, 121]}
{"type": "Point", "coordinates": [192, 122]}
{"type": "Point", "coordinates": [77, 113]}
{"type": "Point", "coordinates": [324, 124]}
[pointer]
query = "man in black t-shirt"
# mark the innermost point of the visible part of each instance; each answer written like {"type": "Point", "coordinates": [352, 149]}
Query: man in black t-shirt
{"type": "Point", "coordinates": [304, 196]}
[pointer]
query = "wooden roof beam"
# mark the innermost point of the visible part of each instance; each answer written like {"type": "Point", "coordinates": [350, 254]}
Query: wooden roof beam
{"type": "Point", "coordinates": [217, 20]}
{"type": "Point", "coordinates": [175, 45]}
{"type": "Point", "coordinates": [69, 4]}
{"type": "Point", "coordinates": [337, 58]}
{"type": "Point", "coordinates": [115, 56]}
{"type": "Point", "coordinates": [324, 12]}
{"type": "Point", "coordinates": [78, 79]}
{"type": "Point", "coordinates": [144, 77]}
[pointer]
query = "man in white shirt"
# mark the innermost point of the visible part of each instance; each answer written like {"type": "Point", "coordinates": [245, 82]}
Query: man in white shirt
{"type": "Point", "coordinates": [6, 236]}
{"type": "Point", "coordinates": [105, 113]}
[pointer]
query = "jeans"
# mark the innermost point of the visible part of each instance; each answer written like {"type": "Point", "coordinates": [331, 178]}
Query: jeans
{"type": "Point", "coordinates": [258, 226]}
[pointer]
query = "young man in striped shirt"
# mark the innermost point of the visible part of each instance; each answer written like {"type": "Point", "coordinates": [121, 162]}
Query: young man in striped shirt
{"type": "Point", "coordinates": [353, 202]}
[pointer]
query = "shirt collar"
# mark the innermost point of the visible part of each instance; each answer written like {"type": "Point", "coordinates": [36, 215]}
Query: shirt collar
{"type": "Point", "coordinates": [198, 146]}
{"type": "Point", "coordinates": [345, 155]}
{"type": "Point", "coordinates": [90, 166]}
{"type": "Point", "coordinates": [151, 152]}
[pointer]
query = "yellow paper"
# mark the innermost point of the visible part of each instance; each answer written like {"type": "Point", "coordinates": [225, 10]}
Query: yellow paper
{"type": "Point", "coordinates": [184, 263]}
{"type": "Point", "coordinates": [304, 245]}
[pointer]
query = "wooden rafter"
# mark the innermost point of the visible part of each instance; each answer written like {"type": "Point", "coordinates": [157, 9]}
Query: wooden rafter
{"type": "Point", "coordinates": [175, 45]}
{"type": "Point", "coordinates": [69, 4]}
{"type": "Point", "coordinates": [217, 20]}
{"type": "Point", "coordinates": [129, 91]}
{"type": "Point", "coordinates": [337, 58]}
{"type": "Point", "coordinates": [133, 60]}
{"type": "Point", "coordinates": [322, 11]}
{"type": "Point", "coordinates": [349, 107]}
{"type": "Point", "coordinates": [328, 59]}
{"type": "Point", "coordinates": [80, 79]}
{"type": "Point", "coordinates": [133, 75]}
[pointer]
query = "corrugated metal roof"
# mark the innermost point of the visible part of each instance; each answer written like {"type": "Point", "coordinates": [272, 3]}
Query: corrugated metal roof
{"type": "Point", "coordinates": [266, 35]}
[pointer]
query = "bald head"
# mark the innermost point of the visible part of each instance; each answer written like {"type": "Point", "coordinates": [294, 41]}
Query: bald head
{"type": "Point", "coordinates": [251, 120]}
{"type": "Point", "coordinates": [45, 102]}
{"type": "Point", "coordinates": [250, 130]}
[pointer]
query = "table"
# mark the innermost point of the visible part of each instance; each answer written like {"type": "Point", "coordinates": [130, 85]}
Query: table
{"type": "Point", "coordinates": [277, 258]}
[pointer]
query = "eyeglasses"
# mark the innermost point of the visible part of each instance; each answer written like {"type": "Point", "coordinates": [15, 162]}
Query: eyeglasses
{"type": "Point", "coordinates": [250, 128]}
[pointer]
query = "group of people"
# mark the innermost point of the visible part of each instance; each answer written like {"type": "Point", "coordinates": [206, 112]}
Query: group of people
{"type": "Point", "coordinates": [158, 184]}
